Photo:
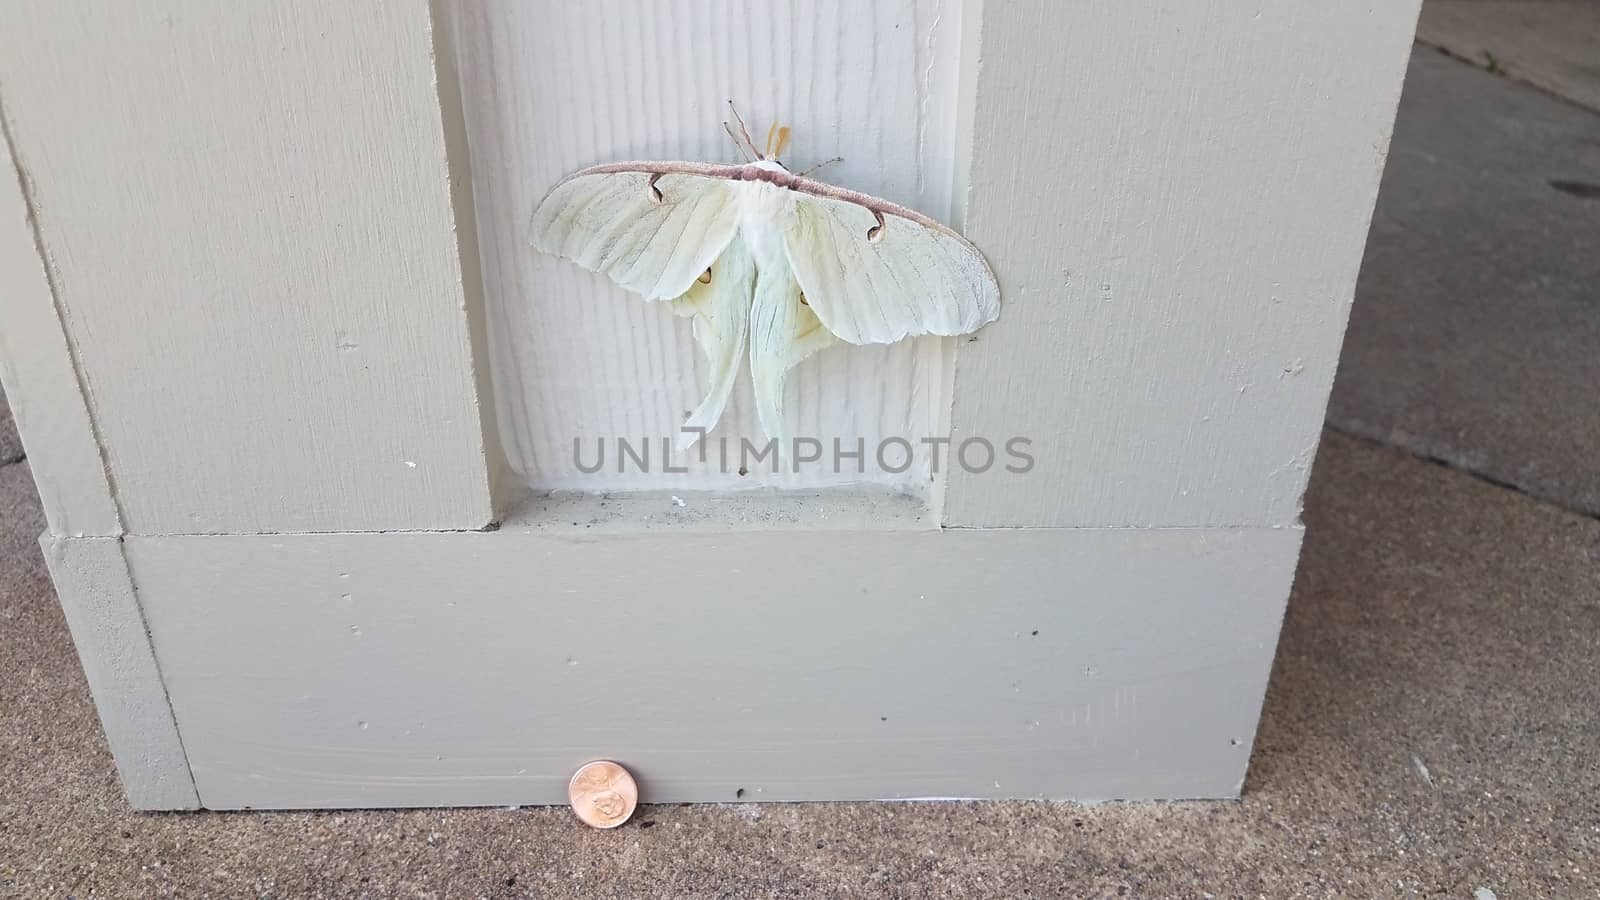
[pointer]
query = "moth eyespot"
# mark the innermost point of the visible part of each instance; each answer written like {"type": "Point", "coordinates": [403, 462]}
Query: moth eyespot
{"type": "Point", "coordinates": [655, 192]}
{"type": "Point", "coordinates": [705, 277]}
{"type": "Point", "coordinates": [875, 233]}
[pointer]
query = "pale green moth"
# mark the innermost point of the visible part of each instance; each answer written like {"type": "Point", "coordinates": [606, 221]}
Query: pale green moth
{"type": "Point", "coordinates": [759, 255]}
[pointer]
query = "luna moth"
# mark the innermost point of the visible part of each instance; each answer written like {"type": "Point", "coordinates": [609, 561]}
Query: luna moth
{"type": "Point", "coordinates": [758, 255]}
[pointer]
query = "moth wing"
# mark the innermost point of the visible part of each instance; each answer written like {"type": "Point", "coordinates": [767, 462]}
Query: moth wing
{"type": "Point", "coordinates": [721, 311]}
{"type": "Point", "coordinates": [653, 233]}
{"type": "Point", "coordinates": [875, 283]}
{"type": "Point", "coordinates": [783, 332]}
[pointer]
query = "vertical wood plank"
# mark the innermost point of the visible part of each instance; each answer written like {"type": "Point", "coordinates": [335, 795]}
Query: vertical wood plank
{"type": "Point", "coordinates": [40, 375]}
{"type": "Point", "coordinates": [505, 489]}
{"type": "Point", "coordinates": [247, 211]}
{"type": "Point", "coordinates": [551, 87]}
{"type": "Point", "coordinates": [1175, 198]}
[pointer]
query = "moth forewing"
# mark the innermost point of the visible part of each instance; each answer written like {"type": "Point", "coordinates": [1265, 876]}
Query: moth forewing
{"type": "Point", "coordinates": [612, 222]}
{"type": "Point", "coordinates": [876, 277]}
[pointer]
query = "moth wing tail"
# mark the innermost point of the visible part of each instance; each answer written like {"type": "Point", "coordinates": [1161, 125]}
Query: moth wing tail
{"type": "Point", "coordinates": [783, 333]}
{"type": "Point", "coordinates": [721, 309]}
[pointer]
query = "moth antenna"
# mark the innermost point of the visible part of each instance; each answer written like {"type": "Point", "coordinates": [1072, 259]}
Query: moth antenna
{"type": "Point", "coordinates": [771, 130]}
{"type": "Point", "coordinates": [775, 150]}
{"type": "Point", "coordinates": [744, 131]}
{"type": "Point", "coordinates": [729, 129]}
{"type": "Point", "coordinates": [826, 162]}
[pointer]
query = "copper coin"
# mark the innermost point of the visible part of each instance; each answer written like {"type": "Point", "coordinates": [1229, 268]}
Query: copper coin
{"type": "Point", "coordinates": [603, 794]}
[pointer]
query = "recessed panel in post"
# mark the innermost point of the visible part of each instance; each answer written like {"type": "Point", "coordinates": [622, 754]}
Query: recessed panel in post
{"type": "Point", "coordinates": [550, 88]}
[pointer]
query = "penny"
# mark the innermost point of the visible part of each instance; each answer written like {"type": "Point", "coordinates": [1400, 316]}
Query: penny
{"type": "Point", "coordinates": [603, 794]}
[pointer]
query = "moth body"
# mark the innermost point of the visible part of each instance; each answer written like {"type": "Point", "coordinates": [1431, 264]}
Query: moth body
{"type": "Point", "coordinates": [763, 206]}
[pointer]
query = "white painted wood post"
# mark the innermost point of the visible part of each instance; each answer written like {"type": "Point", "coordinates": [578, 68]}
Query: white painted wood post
{"type": "Point", "coordinates": [270, 319]}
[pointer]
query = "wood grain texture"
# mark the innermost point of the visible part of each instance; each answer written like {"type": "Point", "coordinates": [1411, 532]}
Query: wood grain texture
{"type": "Point", "coordinates": [40, 375]}
{"type": "Point", "coordinates": [506, 490]}
{"type": "Point", "coordinates": [484, 668]}
{"type": "Point", "coordinates": [1175, 198]}
{"type": "Point", "coordinates": [247, 212]}
{"type": "Point", "coordinates": [553, 87]}
{"type": "Point", "coordinates": [108, 628]}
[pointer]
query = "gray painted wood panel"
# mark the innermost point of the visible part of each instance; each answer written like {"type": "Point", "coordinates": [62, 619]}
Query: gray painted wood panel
{"type": "Point", "coordinates": [483, 668]}
{"type": "Point", "coordinates": [108, 629]}
{"type": "Point", "coordinates": [239, 275]}
{"type": "Point", "coordinates": [248, 213]}
{"type": "Point", "coordinates": [40, 376]}
{"type": "Point", "coordinates": [1174, 197]}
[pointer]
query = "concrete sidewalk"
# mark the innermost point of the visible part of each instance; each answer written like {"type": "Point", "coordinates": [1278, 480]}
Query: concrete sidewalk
{"type": "Point", "coordinates": [1475, 337]}
{"type": "Point", "coordinates": [1432, 728]}
{"type": "Point", "coordinates": [1554, 44]}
